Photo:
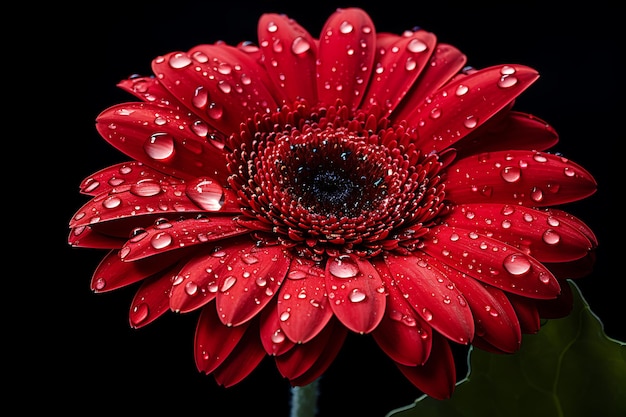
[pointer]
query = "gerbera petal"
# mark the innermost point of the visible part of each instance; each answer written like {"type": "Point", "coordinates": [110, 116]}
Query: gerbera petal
{"type": "Point", "coordinates": [113, 273]}
{"type": "Point", "coordinates": [163, 139]}
{"type": "Point", "coordinates": [346, 54]}
{"type": "Point", "coordinates": [86, 237]}
{"type": "Point", "coordinates": [213, 86]}
{"type": "Point", "coordinates": [491, 261]}
{"type": "Point", "coordinates": [303, 307]}
{"type": "Point", "coordinates": [122, 174]}
{"type": "Point", "coordinates": [513, 131]}
{"type": "Point", "coordinates": [402, 334]}
{"type": "Point", "coordinates": [437, 376]}
{"type": "Point", "coordinates": [139, 205]}
{"type": "Point", "coordinates": [244, 359]}
{"type": "Point", "coordinates": [289, 53]}
{"type": "Point", "coordinates": [213, 340]}
{"type": "Point", "coordinates": [544, 235]}
{"type": "Point", "coordinates": [521, 177]}
{"type": "Point", "coordinates": [152, 298]}
{"type": "Point", "coordinates": [168, 235]}
{"type": "Point", "coordinates": [196, 282]}
{"type": "Point", "coordinates": [329, 353]}
{"type": "Point", "coordinates": [445, 62]}
{"type": "Point", "coordinates": [433, 296]}
{"type": "Point", "coordinates": [150, 90]}
{"type": "Point", "coordinates": [251, 278]}
{"type": "Point", "coordinates": [464, 104]}
{"type": "Point", "coordinates": [295, 362]}
{"type": "Point", "coordinates": [273, 337]}
{"type": "Point", "coordinates": [526, 312]}
{"type": "Point", "coordinates": [397, 66]}
{"type": "Point", "coordinates": [494, 316]}
{"type": "Point", "coordinates": [356, 292]}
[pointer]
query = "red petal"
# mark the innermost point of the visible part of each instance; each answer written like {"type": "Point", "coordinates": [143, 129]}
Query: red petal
{"type": "Point", "coordinates": [465, 103]}
{"type": "Point", "coordinates": [541, 234]}
{"type": "Point", "coordinates": [249, 280]}
{"type": "Point", "coordinates": [356, 292]}
{"type": "Point", "coordinates": [133, 172]}
{"type": "Point", "coordinates": [165, 236]}
{"type": "Point", "coordinates": [529, 178]}
{"type": "Point", "coordinates": [347, 47]}
{"type": "Point", "coordinates": [112, 273]}
{"type": "Point", "coordinates": [303, 307]}
{"type": "Point", "coordinates": [402, 334]}
{"type": "Point", "coordinates": [86, 237]}
{"type": "Point", "coordinates": [244, 359]}
{"type": "Point", "coordinates": [169, 141]}
{"type": "Point", "coordinates": [214, 85]}
{"type": "Point", "coordinates": [295, 362]}
{"type": "Point", "coordinates": [329, 353]}
{"type": "Point", "coordinates": [514, 131]}
{"type": "Point", "coordinates": [527, 313]}
{"type": "Point", "coordinates": [445, 62]}
{"type": "Point", "coordinates": [152, 299]}
{"type": "Point", "coordinates": [433, 296]}
{"type": "Point", "coordinates": [273, 336]}
{"type": "Point", "coordinates": [397, 66]}
{"type": "Point", "coordinates": [289, 52]}
{"type": "Point", "coordinates": [196, 282]}
{"type": "Point", "coordinates": [150, 90]}
{"type": "Point", "coordinates": [140, 204]}
{"type": "Point", "coordinates": [491, 261]}
{"type": "Point", "coordinates": [437, 377]}
{"type": "Point", "coordinates": [213, 340]}
{"type": "Point", "coordinates": [494, 317]}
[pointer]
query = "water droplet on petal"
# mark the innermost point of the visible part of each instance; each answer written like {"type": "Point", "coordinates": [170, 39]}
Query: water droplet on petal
{"type": "Point", "coordinates": [346, 27]}
{"type": "Point", "coordinates": [206, 193]}
{"type": "Point", "coordinates": [159, 146]}
{"type": "Point", "coordinates": [551, 237]}
{"type": "Point", "coordinates": [511, 174]}
{"type": "Point", "coordinates": [139, 313]}
{"type": "Point", "coordinates": [343, 267]}
{"type": "Point", "coordinates": [179, 60]}
{"type": "Point", "coordinates": [517, 264]}
{"type": "Point", "coordinates": [161, 240]}
{"type": "Point", "coordinates": [356, 296]}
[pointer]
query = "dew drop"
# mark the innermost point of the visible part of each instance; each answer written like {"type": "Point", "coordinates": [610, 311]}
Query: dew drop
{"type": "Point", "coordinates": [284, 316]}
{"type": "Point", "coordinates": [159, 146]}
{"type": "Point", "coordinates": [296, 274]}
{"type": "Point", "coordinates": [511, 174]}
{"type": "Point", "coordinates": [551, 237]}
{"type": "Point", "coordinates": [427, 314]}
{"type": "Point", "coordinates": [146, 188]}
{"type": "Point", "coordinates": [191, 288]}
{"type": "Point", "coordinates": [461, 90]}
{"type": "Point", "coordinates": [416, 45]}
{"type": "Point", "coordinates": [470, 122]}
{"type": "Point", "coordinates": [206, 193]}
{"type": "Point", "coordinates": [278, 337]}
{"type": "Point", "coordinates": [343, 267]}
{"type": "Point", "coordinates": [100, 284]}
{"type": "Point", "coordinates": [139, 313]}
{"type": "Point", "coordinates": [200, 98]}
{"type": "Point", "coordinates": [300, 46]}
{"type": "Point", "coordinates": [112, 202]}
{"type": "Point", "coordinates": [346, 27]}
{"type": "Point", "coordinates": [517, 264]}
{"type": "Point", "coordinates": [179, 60]}
{"type": "Point", "coordinates": [161, 240]}
{"type": "Point", "coordinates": [536, 194]}
{"type": "Point", "coordinates": [357, 295]}
{"type": "Point", "coordinates": [215, 111]}
{"type": "Point", "coordinates": [507, 81]}
{"type": "Point", "coordinates": [228, 283]}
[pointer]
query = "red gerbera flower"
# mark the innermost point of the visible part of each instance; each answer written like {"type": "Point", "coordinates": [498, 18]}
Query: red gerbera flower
{"type": "Point", "coordinates": [303, 188]}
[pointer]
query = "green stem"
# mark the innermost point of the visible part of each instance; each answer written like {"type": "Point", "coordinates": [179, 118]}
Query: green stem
{"type": "Point", "coordinates": [304, 400]}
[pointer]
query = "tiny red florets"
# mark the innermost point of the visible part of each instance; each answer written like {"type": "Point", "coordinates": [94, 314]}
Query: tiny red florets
{"type": "Point", "coordinates": [326, 180]}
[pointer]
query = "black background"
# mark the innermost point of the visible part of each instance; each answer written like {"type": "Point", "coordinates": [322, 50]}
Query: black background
{"type": "Point", "coordinates": [84, 356]}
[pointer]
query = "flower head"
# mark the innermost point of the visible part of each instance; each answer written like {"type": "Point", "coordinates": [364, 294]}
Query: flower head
{"type": "Point", "coordinates": [298, 189]}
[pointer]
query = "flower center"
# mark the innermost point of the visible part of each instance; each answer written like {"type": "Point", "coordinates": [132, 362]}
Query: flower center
{"type": "Point", "coordinates": [329, 181]}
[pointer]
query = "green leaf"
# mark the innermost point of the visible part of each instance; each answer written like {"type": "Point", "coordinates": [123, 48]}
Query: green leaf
{"type": "Point", "coordinates": [570, 368]}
